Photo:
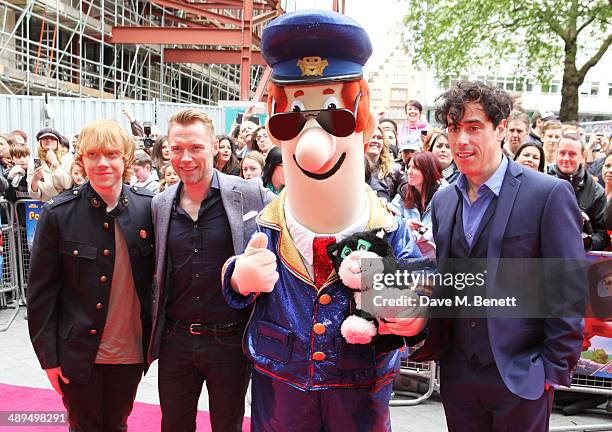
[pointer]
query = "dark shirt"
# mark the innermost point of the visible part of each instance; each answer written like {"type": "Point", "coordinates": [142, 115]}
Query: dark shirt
{"type": "Point", "coordinates": [197, 251]}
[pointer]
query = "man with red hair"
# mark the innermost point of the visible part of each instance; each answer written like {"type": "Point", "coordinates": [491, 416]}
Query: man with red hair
{"type": "Point", "coordinates": [307, 377]}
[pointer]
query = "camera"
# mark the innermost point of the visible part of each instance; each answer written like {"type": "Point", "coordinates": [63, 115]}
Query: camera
{"type": "Point", "coordinates": [147, 141]}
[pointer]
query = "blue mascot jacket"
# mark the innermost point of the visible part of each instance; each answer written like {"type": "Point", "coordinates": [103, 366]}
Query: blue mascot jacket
{"type": "Point", "coordinates": [280, 337]}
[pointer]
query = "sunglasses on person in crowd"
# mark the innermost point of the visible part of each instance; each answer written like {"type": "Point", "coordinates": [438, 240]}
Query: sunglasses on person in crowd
{"type": "Point", "coordinates": [339, 122]}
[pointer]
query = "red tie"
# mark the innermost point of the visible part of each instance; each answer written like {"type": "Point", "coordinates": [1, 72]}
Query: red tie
{"type": "Point", "coordinates": [321, 263]}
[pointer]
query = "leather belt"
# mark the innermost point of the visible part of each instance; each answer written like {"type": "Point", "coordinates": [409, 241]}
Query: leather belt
{"type": "Point", "coordinates": [196, 328]}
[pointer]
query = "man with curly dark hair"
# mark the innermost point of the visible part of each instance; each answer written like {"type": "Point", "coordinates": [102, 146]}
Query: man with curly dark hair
{"type": "Point", "coordinates": [500, 373]}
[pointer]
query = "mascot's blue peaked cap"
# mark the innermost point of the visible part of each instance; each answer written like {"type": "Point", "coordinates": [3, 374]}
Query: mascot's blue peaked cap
{"type": "Point", "coordinates": [315, 46]}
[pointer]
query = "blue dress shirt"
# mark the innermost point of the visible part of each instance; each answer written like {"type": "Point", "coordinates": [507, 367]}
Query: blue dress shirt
{"type": "Point", "coordinates": [473, 212]}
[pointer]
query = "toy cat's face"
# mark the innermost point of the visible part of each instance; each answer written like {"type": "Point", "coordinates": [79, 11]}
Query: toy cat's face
{"type": "Point", "coordinates": [362, 244]}
{"type": "Point", "coordinates": [367, 241]}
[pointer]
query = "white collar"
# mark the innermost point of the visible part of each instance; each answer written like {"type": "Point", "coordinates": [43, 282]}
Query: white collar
{"type": "Point", "coordinates": [303, 238]}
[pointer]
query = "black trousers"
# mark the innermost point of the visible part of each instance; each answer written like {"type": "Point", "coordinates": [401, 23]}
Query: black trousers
{"type": "Point", "coordinates": [476, 399]}
{"type": "Point", "coordinates": [106, 401]}
{"type": "Point", "coordinates": [188, 361]}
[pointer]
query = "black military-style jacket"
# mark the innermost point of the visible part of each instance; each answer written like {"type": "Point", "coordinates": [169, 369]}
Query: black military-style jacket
{"type": "Point", "coordinates": [71, 273]}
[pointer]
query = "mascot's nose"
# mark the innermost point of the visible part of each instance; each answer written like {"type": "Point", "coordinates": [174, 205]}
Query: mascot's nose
{"type": "Point", "coordinates": [315, 148]}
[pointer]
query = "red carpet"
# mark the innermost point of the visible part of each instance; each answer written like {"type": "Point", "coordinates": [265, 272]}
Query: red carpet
{"type": "Point", "coordinates": [144, 418]}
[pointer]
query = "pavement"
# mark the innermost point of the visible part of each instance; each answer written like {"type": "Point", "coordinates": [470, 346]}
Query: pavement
{"type": "Point", "coordinates": [19, 366]}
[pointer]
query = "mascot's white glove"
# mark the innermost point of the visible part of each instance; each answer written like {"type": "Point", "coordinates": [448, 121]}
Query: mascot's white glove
{"type": "Point", "coordinates": [255, 270]}
{"type": "Point", "coordinates": [358, 269]}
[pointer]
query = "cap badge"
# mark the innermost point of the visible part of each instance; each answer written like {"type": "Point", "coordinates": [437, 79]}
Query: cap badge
{"type": "Point", "coordinates": [312, 65]}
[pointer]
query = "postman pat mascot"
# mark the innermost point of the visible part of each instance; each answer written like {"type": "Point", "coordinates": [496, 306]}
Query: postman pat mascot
{"type": "Point", "coordinates": [307, 377]}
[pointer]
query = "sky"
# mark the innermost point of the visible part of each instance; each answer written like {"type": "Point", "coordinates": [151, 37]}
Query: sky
{"type": "Point", "coordinates": [380, 18]}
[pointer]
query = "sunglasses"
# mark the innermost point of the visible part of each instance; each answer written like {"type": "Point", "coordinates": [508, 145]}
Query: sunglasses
{"type": "Point", "coordinates": [338, 122]}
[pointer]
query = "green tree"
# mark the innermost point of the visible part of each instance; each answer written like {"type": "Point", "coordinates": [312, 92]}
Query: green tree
{"type": "Point", "coordinates": [451, 36]}
{"type": "Point", "coordinates": [600, 356]}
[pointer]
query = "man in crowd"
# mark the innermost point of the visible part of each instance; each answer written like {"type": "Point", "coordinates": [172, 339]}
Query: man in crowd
{"type": "Point", "coordinates": [518, 128]}
{"type": "Point", "coordinates": [597, 150]}
{"type": "Point", "coordinates": [499, 373]}
{"type": "Point", "coordinates": [89, 285]}
{"type": "Point", "coordinates": [408, 146]}
{"type": "Point", "coordinates": [590, 195]}
{"type": "Point", "coordinates": [536, 134]}
{"type": "Point", "coordinates": [551, 134]}
{"type": "Point", "coordinates": [199, 223]}
{"type": "Point", "coordinates": [16, 176]}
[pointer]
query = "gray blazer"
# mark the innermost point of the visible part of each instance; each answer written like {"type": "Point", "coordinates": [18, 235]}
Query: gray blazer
{"type": "Point", "coordinates": [242, 200]}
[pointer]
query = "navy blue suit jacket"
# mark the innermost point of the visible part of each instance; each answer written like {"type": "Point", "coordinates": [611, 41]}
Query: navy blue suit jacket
{"type": "Point", "coordinates": [536, 217]}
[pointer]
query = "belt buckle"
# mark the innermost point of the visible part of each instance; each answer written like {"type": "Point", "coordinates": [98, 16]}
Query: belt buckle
{"type": "Point", "coordinates": [194, 332]}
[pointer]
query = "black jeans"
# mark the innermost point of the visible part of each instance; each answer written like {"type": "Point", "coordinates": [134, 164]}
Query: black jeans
{"type": "Point", "coordinates": [106, 401]}
{"type": "Point", "coordinates": [186, 361]}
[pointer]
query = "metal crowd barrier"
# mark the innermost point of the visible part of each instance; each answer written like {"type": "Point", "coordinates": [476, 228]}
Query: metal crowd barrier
{"type": "Point", "coordinates": [10, 294]}
{"type": "Point", "coordinates": [22, 244]}
{"type": "Point", "coordinates": [427, 371]}
{"type": "Point", "coordinates": [601, 386]}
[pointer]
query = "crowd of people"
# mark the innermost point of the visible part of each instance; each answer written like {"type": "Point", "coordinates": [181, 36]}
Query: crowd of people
{"type": "Point", "coordinates": [247, 153]}
{"type": "Point", "coordinates": [544, 144]}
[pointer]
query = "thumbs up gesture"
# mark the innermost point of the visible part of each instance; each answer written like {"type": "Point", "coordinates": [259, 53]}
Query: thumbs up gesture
{"type": "Point", "coordinates": [255, 270]}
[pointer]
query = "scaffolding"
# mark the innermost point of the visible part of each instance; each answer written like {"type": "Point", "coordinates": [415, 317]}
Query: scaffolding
{"type": "Point", "coordinates": [74, 48]}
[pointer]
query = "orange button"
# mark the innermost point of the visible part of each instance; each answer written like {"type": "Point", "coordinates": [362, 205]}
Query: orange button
{"type": "Point", "coordinates": [325, 299]}
{"type": "Point", "coordinates": [106, 252]}
{"type": "Point", "coordinates": [93, 332]}
{"type": "Point", "coordinates": [75, 253]}
{"type": "Point", "coordinates": [98, 306]}
{"type": "Point", "coordinates": [319, 328]}
{"type": "Point", "coordinates": [106, 225]}
{"type": "Point", "coordinates": [103, 279]}
{"type": "Point", "coordinates": [318, 356]}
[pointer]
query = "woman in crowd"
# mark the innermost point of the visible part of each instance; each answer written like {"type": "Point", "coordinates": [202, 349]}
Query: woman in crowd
{"type": "Point", "coordinates": [49, 174]}
{"type": "Point", "coordinates": [379, 156]}
{"type": "Point", "coordinates": [262, 141]}
{"type": "Point", "coordinates": [530, 155]}
{"type": "Point", "coordinates": [414, 197]}
{"type": "Point", "coordinates": [78, 175]}
{"type": "Point", "coordinates": [6, 142]}
{"type": "Point", "coordinates": [273, 175]}
{"type": "Point", "coordinates": [225, 160]}
{"type": "Point", "coordinates": [437, 144]}
{"type": "Point", "coordinates": [169, 177]}
{"type": "Point", "coordinates": [252, 165]}
{"type": "Point", "coordinates": [160, 154]}
{"type": "Point", "coordinates": [413, 124]}
{"type": "Point", "coordinates": [518, 131]}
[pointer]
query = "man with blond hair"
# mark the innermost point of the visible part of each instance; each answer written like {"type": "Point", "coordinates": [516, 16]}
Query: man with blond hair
{"type": "Point", "coordinates": [200, 222]}
{"type": "Point", "coordinates": [89, 284]}
{"type": "Point", "coordinates": [551, 134]}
